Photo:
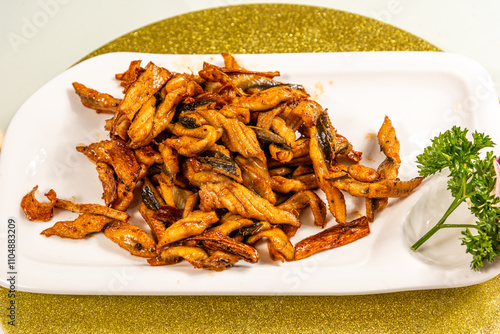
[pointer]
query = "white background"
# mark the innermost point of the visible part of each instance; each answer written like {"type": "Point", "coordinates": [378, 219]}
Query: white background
{"type": "Point", "coordinates": [41, 38]}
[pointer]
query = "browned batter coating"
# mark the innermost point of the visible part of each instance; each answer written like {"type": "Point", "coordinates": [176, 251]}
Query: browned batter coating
{"type": "Point", "coordinates": [78, 228]}
{"type": "Point", "coordinates": [335, 236]}
{"type": "Point", "coordinates": [215, 162]}
{"type": "Point", "coordinates": [147, 84]}
{"type": "Point", "coordinates": [131, 238]}
{"type": "Point", "coordinates": [36, 210]}
{"type": "Point", "coordinates": [100, 102]}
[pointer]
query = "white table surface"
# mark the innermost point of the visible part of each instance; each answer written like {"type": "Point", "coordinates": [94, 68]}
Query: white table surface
{"type": "Point", "coordinates": [41, 38]}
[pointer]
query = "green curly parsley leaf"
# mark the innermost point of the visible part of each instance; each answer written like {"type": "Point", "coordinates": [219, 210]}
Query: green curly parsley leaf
{"type": "Point", "coordinates": [472, 179]}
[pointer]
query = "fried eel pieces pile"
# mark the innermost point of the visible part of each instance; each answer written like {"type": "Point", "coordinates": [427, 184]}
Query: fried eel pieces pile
{"type": "Point", "coordinates": [218, 162]}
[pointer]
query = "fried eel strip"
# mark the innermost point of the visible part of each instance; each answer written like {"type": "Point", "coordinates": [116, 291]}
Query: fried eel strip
{"type": "Point", "coordinates": [116, 153]}
{"type": "Point", "coordinates": [335, 198]}
{"type": "Point", "coordinates": [233, 223]}
{"type": "Point", "coordinates": [192, 141]}
{"type": "Point", "coordinates": [301, 200]}
{"type": "Point", "coordinates": [269, 98]}
{"type": "Point", "coordinates": [196, 256]}
{"type": "Point", "coordinates": [224, 165]}
{"type": "Point", "coordinates": [281, 153]}
{"type": "Point", "coordinates": [305, 113]}
{"type": "Point", "coordinates": [131, 238]}
{"type": "Point", "coordinates": [100, 102]}
{"type": "Point", "coordinates": [147, 84]}
{"type": "Point", "coordinates": [217, 191]}
{"type": "Point", "coordinates": [218, 261]}
{"type": "Point", "coordinates": [108, 181]}
{"type": "Point", "coordinates": [175, 254]}
{"type": "Point", "coordinates": [195, 223]}
{"type": "Point", "coordinates": [378, 189]}
{"type": "Point", "coordinates": [213, 73]}
{"type": "Point", "coordinates": [280, 127]}
{"type": "Point", "coordinates": [159, 119]}
{"type": "Point", "coordinates": [285, 185]}
{"type": "Point", "coordinates": [130, 75]}
{"type": "Point", "coordinates": [237, 137]}
{"type": "Point", "coordinates": [143, 122]}
{"type": "Point", "coordinates": [78, 228]}
{"type": "Point", "coordinates": [96, 209]}
{"type": "Point", "coordinates": [255, 176]}
{"type": "Point", "coordinates": [157, 226]}
{"type": "Point", "coordinates": [389, 144]}
{"type": "Point", "coordinates": [335, 236]}
{"type": "Point", "coordinates": [388, 169]}
{"type": "Point", "coordinates": [363, 173]}
{"type": "Point", "coordinates": [219, 242]}
{"type": "Point", "coordinates": [279, 243]}
{"type": "Point", "coordinates": [36, 210]}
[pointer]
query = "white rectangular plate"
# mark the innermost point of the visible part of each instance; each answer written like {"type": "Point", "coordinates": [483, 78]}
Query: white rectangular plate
{"type": "Point", "coordinates": [423, 93]}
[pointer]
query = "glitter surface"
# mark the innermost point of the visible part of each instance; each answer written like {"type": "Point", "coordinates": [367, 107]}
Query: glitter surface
{"type": "Point", "coordinates": [267, 28]}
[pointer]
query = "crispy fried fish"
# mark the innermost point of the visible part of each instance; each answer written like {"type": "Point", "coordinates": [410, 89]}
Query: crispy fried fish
{"type": "Point", "coordinates": [36, 210]}
{"type": "Point", "coordinates": [96, 209]}
{"type": "Point", "coordinates": [195, 223]}
{"type": "Point", "coordinates": [116, 153]}
{"type": "Point", "coordinates": [335, 236]}
{"type": "Point", "coordinates": [269, 98]}
{"type": "Point", "coordinates": [147, 84]}
{"type": "Point", "coordinates": [131, 238]}
{"type": "Point", "coordinates": [219, 242]}
{"type": "Point", "coordinates": [335, 198]}
{"type": "Point", "coordinates": [100, 102]}
{"type": "Point", "coordinates": [279, 241]}
{"type": "Point", "coordinates": [237, 137]}
{"type": "Point", "coordinates": [216, 160]}
{"type": "Point", "coordinates": [108, 181]}
{"type": "Point", "coordinates": [78, 228]}
{"type": "Point", "coordinates": [217, 191]}
{"type": "Point", "coordinates": [379, 188]}
{"type": "Point", "coordinates": [389, 144]}
{"type": "Point", "coordinates": [301, 200]}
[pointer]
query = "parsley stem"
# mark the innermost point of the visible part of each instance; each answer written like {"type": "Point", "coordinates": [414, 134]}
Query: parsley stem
{"type": "Point", "coordinates": [459, 226]}
{"type": "Point", "coordinates": [471, 178]}
{"type": "Point", "coordinates": [440, 224]}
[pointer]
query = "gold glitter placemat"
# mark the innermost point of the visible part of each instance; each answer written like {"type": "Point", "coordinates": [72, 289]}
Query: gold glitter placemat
{"type": "Point", "coordinates": [265, 28]}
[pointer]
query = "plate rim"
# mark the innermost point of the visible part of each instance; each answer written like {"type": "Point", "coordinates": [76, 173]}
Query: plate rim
{"type": "Point", "coordinates": [397, 54]}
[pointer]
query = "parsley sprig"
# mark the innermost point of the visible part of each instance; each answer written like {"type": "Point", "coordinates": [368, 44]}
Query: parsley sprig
{"type": "Point", "coordinates": [471, 179]}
